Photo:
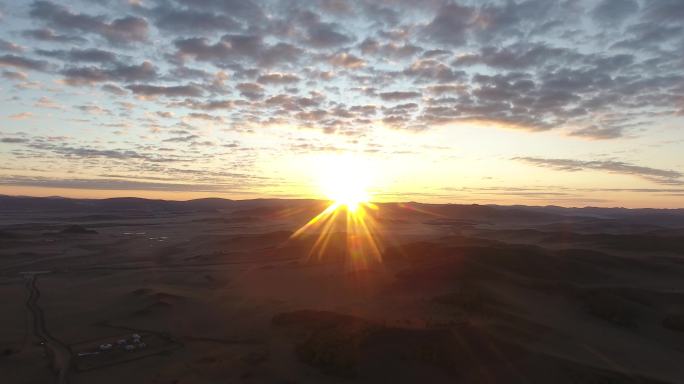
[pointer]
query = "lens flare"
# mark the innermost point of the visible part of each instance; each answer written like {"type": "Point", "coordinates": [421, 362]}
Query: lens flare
{"type": "Point", "coordinates": [345, 180]}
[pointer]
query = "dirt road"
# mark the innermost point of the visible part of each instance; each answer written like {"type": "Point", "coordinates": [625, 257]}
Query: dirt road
{"type": "Point", "coordinates": [60, 353]}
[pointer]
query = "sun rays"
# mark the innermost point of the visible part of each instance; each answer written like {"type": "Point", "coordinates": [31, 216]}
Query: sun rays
{"type": "Point", "coordinates": [344, 180]}
{"type": "Point", "coordinates": [358, 226]}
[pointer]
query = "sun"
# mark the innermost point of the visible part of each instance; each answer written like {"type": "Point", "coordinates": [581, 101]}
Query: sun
{"type": "Point", "coordinates": [345, 181]}
{"type": "Point", "coordinates": [346, 190]}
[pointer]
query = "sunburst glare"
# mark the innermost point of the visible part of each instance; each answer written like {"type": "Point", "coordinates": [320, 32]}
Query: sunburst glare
{"type": "Point", "coordinates": [345, 180]}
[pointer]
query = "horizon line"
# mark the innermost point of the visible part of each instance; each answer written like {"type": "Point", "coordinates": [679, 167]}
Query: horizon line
{"type": "Point", "coordinates": [327, 200]}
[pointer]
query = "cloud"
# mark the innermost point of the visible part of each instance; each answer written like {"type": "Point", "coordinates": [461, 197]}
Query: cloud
{"type": "Point", "coordinates": [497, 76]}
{"type": "Point", "coordinates": [665, 11]}
{"type": "Point", "coordinates": [179, 20]}
{"type": "Point", "coordinates": [516, 56]}
{"type": "Point", "coordinates": [45, 102]}
{"type": "Point", "coordinates": [10, 47]}
{"type": "Point", "coordinates": [245, 9]}
{"type": "Point", "coordinates": [251, 91]}
{"type": "Point", "coordinates": [614, 11]}
{"type": "Point", "coordinates": [319, 34]}
{"type": "Point", "coordinates": [13, 75]}
{"type": "Point", "coordinates": [90, 55]}
{"type": "Point", "coordinates": [50, 35]}
{"type": "Point", "coordinates": [292, 103]}
{"type": "Point", "coordinates": [442, 89]}
{"type": "Point", "coordinates": [658, 176]}
{"type": "Point", "coordinates": [210, 105]}
{"type": "Point", "coordinates": [399, 95]}
{"type": "Point", "coordinates": [130, 73]}
{"type": "Point", "coordinates": [13, 140]}
{"type": "Point", "coordinates": [128, 184]}
{"type": "Point", "coordinates": [182, 139]}
{"type": "Point", "coordinates": [84, 152]}
{"type": "Point", "coordinates": [168, 91]}
{"type": "Point", "coordinates": [206, 117]}
{"type": "Point", "coordinates": [277, 78]}
{"type": "Point", "coordinates": [450, 25]}
{"type": "Point", "coordinates": [119, 72]}
{"type": "Point", "coordinates": [347, 60]}
{"type": "Point", "coordinates": [23, 63]}
{"type": "Point", "coordinates": [124, 30]}
{"type": "Point", "coordinates": [93, 109]}
{"type": "Point", "coordinates": [598, 133]}
{"type": "Point", "coordinates": [201, 50]}
{"type": "Point", "coordinates": [113, 89]}
{"type": "Point", "coordinates": [58, 146]}
{"type": "Point", "coordinates": [236, 48]}
{"type": "Point", "coordinates": [429, 70]}
{"type": "Point", "coordinates": [372, 46]}
{"type": "Point", "coordinates": [649, 36]}
{"type": "Point", "coordinates": [21, 116]}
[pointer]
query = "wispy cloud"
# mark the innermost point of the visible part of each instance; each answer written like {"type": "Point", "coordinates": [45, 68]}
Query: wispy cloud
{"type": "Point", "coordinates": [659, 176]}
{"type": "Point", "coordinates": [123, 184]}
{"type": "Point", "coordinates": [21, 116]}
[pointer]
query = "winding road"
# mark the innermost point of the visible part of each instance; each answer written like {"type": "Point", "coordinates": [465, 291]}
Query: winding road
{"type": "Point", "coordinates": [60, 352]}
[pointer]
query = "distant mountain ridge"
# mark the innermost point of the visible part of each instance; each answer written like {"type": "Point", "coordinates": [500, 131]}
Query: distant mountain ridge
{"type": "Point", "coordinates": [27, 203]}
{"type": "Point", "coordinates": [461, 211]}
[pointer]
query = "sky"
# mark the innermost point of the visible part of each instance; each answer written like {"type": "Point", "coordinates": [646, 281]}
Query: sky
{"type": "Point", "coordinates": [537, 102]}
